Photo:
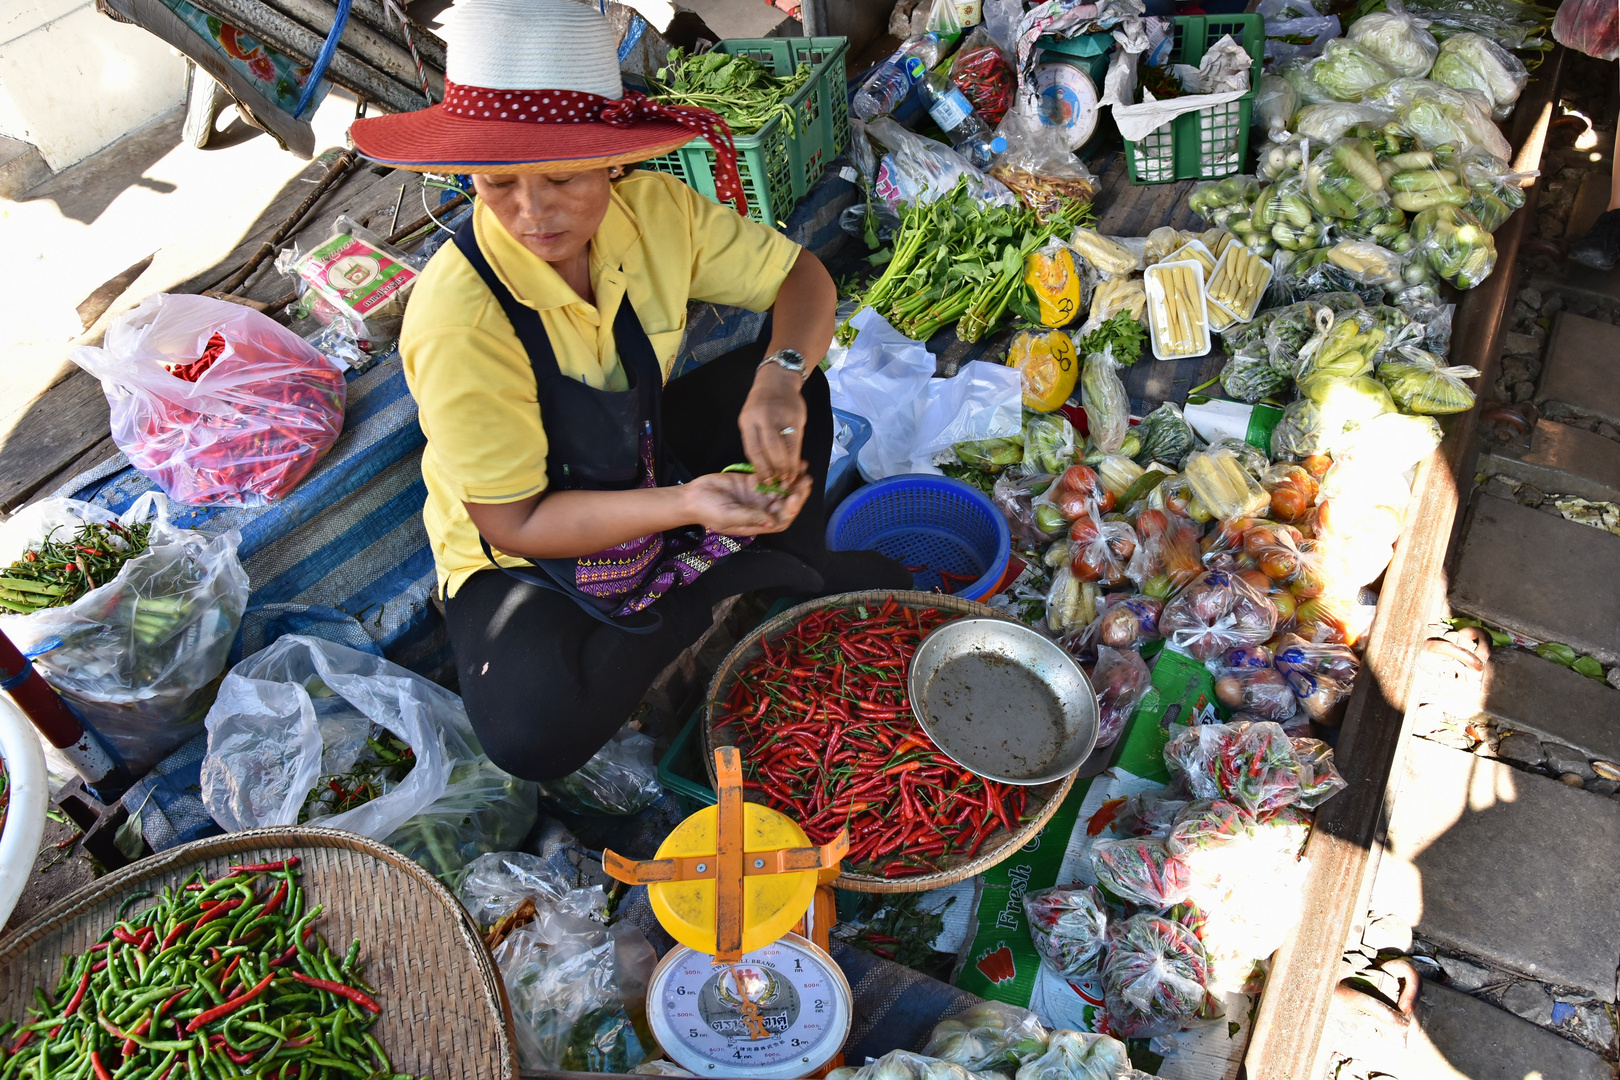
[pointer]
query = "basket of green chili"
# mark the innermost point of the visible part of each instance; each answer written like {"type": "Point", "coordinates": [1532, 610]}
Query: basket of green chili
{"type": "Point", "coordinates": [290, 952]}
{"type": "Point", "coordinates": [785, 102]}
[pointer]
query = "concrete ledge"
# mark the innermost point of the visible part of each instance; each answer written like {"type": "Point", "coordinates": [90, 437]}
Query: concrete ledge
{"type": "Point", "coordinates": [21, 168]}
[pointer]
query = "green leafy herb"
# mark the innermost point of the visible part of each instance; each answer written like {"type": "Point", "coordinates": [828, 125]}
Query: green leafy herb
{"type": "Point", "coordinates": [740, 88]}
{"type": "Point", "coordinates": [1121, 331]}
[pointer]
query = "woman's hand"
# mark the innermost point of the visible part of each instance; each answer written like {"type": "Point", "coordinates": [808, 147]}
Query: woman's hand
{"type": "Point", "coordinates": [731, 503]}
{"type": "Point", "coordinates": [774, 405]}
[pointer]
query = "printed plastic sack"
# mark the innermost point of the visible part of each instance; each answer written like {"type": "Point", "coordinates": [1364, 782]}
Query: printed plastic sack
{"type": "Point", "coordinates": [1320, 675]}
{"type": "Point", "coordinates": [137, 656]}
{"type": "Point", "coordinates": [354, 282]}
{"type": "Point", "coordinates": [214, 402]}
{"type": "Point", "coordinates": [497, 883]}
{"type": "Point", "coordinates": [621, 778]}
{"type": "Point", "coordinates": [990, 1037]}
{"type": "Point", "coordinates": [1068, 924]}
{"type": "Point", "coordinates": [1078, 1055]}
{"type": "Point", "coordinates": [1254, 765]}
{"type": "Point", "coordinates": [1588, 26]}
{"type": "Point", "coordinates": [1154, 978]}
{"type": "Point", "coordinates": [919, 169]}
{"type": "Point", "coordinates": [1246, 682]}
{"type": "Point", "coordinates": [304, 711]}
{"type": "Point", "coordinates": [578, 993]}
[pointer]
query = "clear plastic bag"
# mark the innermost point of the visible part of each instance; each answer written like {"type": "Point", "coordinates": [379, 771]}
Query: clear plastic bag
{"type": "Point", "coordinates": [1348, 72]}
{"type": "Point", "coordinates": [1474, 62]}
{"type": "Point", "coordinates": [1320, 675]}
{"type": "Point", "coordinates": [1166, 436]}
{"type": "Point", "coordinates": [243, 429]}
{"type": "Point", "coordinates": [496, 884]}
{"type": "Point", "coordinates": [483, 809]}
{"type": "Point", "coordinates": [1275, 104]}
{"type": "Point", "coordinates": [1014, 495]}
{"type": "Point", "coordinates": [1251, 378]}
{"type": "Point", "coordinates": [1108, 406]}
{"type": "Point", "coordinates": [578, 993]}
{"type": "Point", "coordinates": [1067, 924]}
{"type": "Point", "coordinates": [1456, 245]}
{"type": "Point", "coordinates": [1420, 384]}
{"type": "Point", "coordinates": [1071, 604]}
{"type": "Point", "coordinates": [1121, 679]}
{"type": "Point", "coordinates": [920, 169]}
{"type": "Point", "coordinates": [905, 1065]}
{"type": "Point", "coordinates": [984, 73]}
{"type": "Point", "coordinates": [1222, 484]}
{"type": "Point", "coordinates": [1139, 870]}
{"type": "Point", "coordinates": [1148, 813]}
{"type": "Point", "coordinates": [621, 778]}
{"type": "Point", "coordinates": [1254, 765]}
{"type": "Point", "coordinates": [1588, 26]}
{"type": "Point", "coordinates": [990, 1037]}
{"type": "Point", "coordinates": [1402, 42]}
{"type": "Point", "coordinates": [355, 282]}
{"type": "Point", "coordinates": [1253, 687]}
{"type": "Point", "coordinates": [1324, 122]}
{"type": "Point", "coordinates": [1078, 1055]}
{"type": "Point", "coordinates": [1101, 550]}
{"type": "Point", "coordinates": [138, 655]}
{"type": "Point", "coordinates": [1124, 621]}
{"type": "Point", "coordinates": [1154, 978]}
{"type": "Point", "coordinates": [1217, 612]}
{"type": "Point", "coordinates": [1045, 358]}
{"type": "Point", "coordinates": [302, 709]}
{"type": "Point", "coordinates": [1038, 166]}
{"type": "Point", "coordinates": [1049, 443]}
{"type": "Point", "coordinates": [1441, 116]}
{"type": "Point", "coordinates": [1167, 555]}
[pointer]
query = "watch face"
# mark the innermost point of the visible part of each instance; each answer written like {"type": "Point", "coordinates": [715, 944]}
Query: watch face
{"type": "Point", "coordinates": [789, 358]}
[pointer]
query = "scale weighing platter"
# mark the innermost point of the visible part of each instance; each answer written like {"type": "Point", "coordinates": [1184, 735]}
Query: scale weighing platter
{"type": "Point", "coordinates": [799, 1000]}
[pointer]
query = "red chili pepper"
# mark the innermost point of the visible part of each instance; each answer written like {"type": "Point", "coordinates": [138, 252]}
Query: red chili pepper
{"type": "Point", "coordinates": [363, 1000]}
{"type": "Point", "coordinates": [209, 1016]}
{"type": "Point", "coordinates": [125, 936]}
{"type": "Point", "coordinates": [101, 1070]}
{"type": "Point", "coordinates": [216, 911]}
{"type": "Point", "coordinates": [142, 1028]}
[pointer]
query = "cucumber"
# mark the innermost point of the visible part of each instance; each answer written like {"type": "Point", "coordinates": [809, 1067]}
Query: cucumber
{"type": "Point", "coordinates": [1415, 201]}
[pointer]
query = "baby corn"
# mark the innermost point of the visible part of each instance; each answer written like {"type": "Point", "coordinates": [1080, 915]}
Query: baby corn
{"type": "Point", "coordinates": [1179, 318]}
{"type": "Point", "coordinates": [1239, 282]}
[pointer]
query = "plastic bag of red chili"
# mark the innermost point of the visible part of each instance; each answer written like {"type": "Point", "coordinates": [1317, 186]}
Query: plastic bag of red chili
{"type": "Point", "coordinates": [985, 75]}
{"type": "Point", "coordinates": [214, 402]}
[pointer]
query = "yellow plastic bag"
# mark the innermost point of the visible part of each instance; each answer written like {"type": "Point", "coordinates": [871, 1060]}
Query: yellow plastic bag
{"type": "Point", "coordinates": [1054, 279]}
{"type": "Point", "coordinates": [1046, 360]}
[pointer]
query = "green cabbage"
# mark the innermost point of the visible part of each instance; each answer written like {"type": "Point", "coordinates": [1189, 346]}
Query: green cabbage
{"type": "Point", "coordinates": [1348, 72]}
{"type": "Point", "coordinates": [1442, 116]}
{"type": "Point", "coordinates": [1397, 40]}
{"type": "Point", "coordinates": [1472, 62]}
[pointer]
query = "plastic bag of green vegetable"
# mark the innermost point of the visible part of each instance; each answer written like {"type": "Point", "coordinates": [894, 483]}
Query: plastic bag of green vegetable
{"type": "Point", "coordinates": [1166, 436]}
{"type": "Point", "coordinates": [1107, 405]}
{"type": "Point", "coordinates": [1300, 433]}
{"type": "Point", "coordinates": [1346, 402]}
{"type": "Point", "coordinates": [992, 1036]}
{"type": "Point", "coordinates": [139, 650]}
{"type": "Point", "coordinates": [1329, 120]}
{"type": "Point", "coordinates": [578, 993]}
{"type": "Point", "coordinates": [1300, 74]}
{"type": "Point", "coordinates": [1291, 329]}
{"type": "Point", "coordinates": [1049, 442]}
{"type": "Point", "coordinates": [621, 778]}
{"type": "Point", "coordinates": [991, 455]}
{"type": "Point", "coordinates": [1495, 190]}
{"type": "Point", "coordinates": [1421, 384]}
{"type": "Point", "coordinates": [1274, 105]}
{"type": "Point", "coordinates": [1349, 72]}
{"type": "Point", "coordinates": [1455, 244]}
{"type": "Point", "coordinates": [1441, 116]}
{"type": "Point", "coordinates": [483, 809]}
{"type": "Point", "coordinates": [1343, 181]}
{"type": "Point", "coordinates": [1474, 62]}
{"type": "Point", "coordinates": [1400, 41]}
{"type": "Point", "coordinates": [1251, 378]}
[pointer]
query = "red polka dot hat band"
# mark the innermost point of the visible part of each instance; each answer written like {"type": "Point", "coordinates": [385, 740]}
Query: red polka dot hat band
{"type": "Point", "coordinates": [534, 86]}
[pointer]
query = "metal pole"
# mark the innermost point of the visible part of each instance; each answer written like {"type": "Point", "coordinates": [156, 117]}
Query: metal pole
{"type": "Point", "coordinates": [813, 17]}
{"type": "Point", "coordinates": [297, 41]}
{"type": "Point", "coordinates": [40, 702]}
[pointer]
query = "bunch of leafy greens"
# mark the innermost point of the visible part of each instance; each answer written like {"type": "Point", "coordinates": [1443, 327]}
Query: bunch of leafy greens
{"type": "Point", "coordinates": [744, 91]}
{"type": "Point", "coordinates": [959, 260]}
{"type": "Point", "coordinates": [1123, 332]}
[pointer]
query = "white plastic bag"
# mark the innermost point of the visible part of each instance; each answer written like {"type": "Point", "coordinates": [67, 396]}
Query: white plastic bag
{"type": "Point", "coordinates": [496, 884]}
{"type": "Point", "coordinates": [250, 426]}
{"type": "Point", "coordinates": [621, 778]}
{"type": "Point", "coordinates": [883, 375]}
{"type": "Point", "coordinates": [982, 401]}
{"type": "Point", "coordinates": [137, 655]}
{"type": "Point", "coordinates": [302, 709]}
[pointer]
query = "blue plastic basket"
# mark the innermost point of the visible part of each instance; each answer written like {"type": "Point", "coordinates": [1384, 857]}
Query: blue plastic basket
{"type": "Point", "coordinates": [929, 521]}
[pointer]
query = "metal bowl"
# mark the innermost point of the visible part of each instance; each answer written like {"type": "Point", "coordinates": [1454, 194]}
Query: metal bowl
{"type": "Point", "coordinates": [1002, 701]}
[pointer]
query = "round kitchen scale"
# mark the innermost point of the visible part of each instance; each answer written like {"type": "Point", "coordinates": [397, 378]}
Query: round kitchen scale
{"type": "Point", "coordinates": [742, 995]}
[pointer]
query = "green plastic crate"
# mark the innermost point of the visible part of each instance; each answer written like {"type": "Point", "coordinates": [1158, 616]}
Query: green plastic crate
{"type": "Point", "coordinates": [779, 167]}
{"type": "Point", "coordinates": [682, 762]}
{"type": "Point", "coordinates": [1212, 142]}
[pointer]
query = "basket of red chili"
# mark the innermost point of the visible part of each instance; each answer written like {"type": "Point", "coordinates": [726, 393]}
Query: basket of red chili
{"type": "Point", "coordinates": [816, 701]}
{"type": "Point", "coordinates": [215, 954]}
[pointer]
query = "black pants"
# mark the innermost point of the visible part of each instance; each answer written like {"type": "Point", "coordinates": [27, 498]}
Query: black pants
{"type": "Point", "coordinates": [546, 685]}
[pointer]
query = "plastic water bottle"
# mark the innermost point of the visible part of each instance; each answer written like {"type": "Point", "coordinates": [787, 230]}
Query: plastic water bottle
{"type": "Point", "coordinates": [969, 134]}
{"type": "Point", "coordinates": [894, 79]}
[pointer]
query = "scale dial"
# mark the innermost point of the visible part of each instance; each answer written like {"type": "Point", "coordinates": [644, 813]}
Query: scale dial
{"type": "Point", "coordinates": [779, 1013]}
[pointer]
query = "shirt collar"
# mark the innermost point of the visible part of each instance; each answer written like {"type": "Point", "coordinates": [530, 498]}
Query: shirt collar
{"type": "Point", "coordinates": [532, 280]}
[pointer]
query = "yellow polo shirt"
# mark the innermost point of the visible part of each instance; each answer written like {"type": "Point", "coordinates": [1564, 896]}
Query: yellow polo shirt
{"type": "Point", "coordinates": [661, 244]}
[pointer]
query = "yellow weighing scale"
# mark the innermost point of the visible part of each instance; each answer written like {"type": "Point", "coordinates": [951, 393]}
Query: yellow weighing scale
{"type": "Point", "coordinates": [742, 995]}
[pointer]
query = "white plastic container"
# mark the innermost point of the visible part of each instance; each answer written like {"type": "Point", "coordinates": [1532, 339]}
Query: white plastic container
{"type": "Point", "coordinates": [1161, 334]}
{"type": "Point", "coordinates": [1198, 252]}
{"type": "Point", "coordinates": [1265, 282]}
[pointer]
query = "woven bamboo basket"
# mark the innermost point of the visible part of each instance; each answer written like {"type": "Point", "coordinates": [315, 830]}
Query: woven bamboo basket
{"type": "Point", "coordinates": [1044, 799]}
{"type": "Point", "coordinates": [441, 996]}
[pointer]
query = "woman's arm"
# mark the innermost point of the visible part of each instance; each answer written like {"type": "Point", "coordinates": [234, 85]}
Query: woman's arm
{"type": "Point", "coordinates": [803, 319]}
{"type": "Point", "coordinates": [571, 524]}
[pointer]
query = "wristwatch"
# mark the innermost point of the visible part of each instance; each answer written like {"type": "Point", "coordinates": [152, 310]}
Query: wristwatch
{"type": "Point", "coordinates": [790, 359]}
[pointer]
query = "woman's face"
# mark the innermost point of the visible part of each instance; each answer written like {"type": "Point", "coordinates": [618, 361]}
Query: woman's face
{"type": "Point", "coordinates": [554, 215]}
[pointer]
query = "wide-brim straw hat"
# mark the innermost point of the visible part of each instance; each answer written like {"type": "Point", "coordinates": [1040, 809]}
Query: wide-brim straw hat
{"type": "Point", "coordinates": [533, 86]}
